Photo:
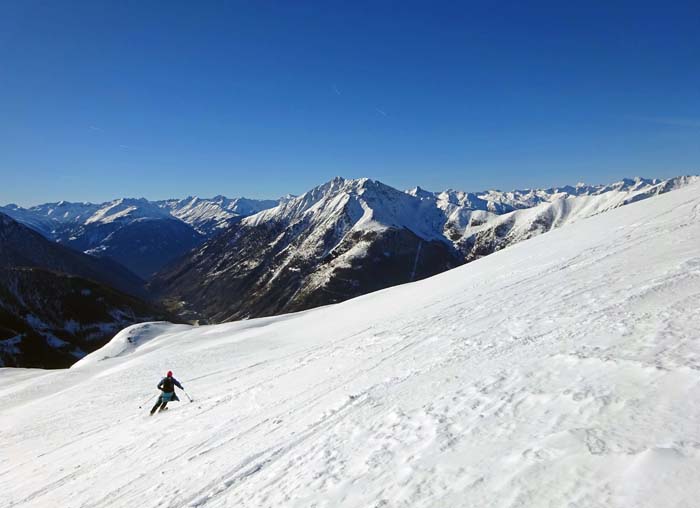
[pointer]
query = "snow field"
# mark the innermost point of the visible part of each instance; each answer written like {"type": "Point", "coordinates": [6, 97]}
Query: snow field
{"type": "Point", "coordinates": [562, 371]}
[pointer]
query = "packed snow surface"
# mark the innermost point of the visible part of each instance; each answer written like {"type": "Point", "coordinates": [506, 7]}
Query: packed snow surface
{"type": "Point", "coordinates": [563, 371]}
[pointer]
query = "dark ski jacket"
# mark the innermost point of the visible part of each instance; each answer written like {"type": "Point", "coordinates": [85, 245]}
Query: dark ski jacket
{"type": "Point", "coordinates": [168, 384]}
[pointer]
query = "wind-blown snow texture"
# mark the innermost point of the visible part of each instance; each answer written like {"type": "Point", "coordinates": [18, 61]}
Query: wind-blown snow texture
{"type": "Point", "coordinates": [563, 371]}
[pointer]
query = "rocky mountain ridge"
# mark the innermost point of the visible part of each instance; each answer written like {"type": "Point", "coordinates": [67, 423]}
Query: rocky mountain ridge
{"type": "Point", "coordinates": [350, 237]}
{"type": "Point", "coordinates": [140, 234]}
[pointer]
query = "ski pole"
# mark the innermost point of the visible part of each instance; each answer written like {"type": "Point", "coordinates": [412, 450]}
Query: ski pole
{"type": "Point", "coordinates": [187, 395]}
{"type": "Point", "coordinates": [149, 400]}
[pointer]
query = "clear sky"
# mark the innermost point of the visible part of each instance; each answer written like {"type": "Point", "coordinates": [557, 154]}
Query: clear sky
{"type": "Point", "coordinates": [100, 100]}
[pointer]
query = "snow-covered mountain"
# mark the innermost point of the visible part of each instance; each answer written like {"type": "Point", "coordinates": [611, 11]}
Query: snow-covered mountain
{"type": "Point", "coordinates": [142, 235]}
{"type": "Point", "coordinates": [562, 371]}
{"type": "Point", "coordinates": [135, 232]}
{"type": "Point", "coordinates": [349, 237]}
{"type": "Point", "coordinates": [21, 246]}
{"type": "Point", "coordinates": [208, 216]}
{"type": "Point", "coordinates": [481, 224]}
{"type": "Point", "coordinates": [341, 239]}
{"type": "Point", "coordinates": [56, 304]}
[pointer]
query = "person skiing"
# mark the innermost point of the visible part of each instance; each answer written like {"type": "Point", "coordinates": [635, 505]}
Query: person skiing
{"type": "Point", "coordinates": [167, 386]}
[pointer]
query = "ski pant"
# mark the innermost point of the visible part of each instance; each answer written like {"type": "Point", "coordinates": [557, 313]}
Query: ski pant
{"type": "Point", "coordinates": [162, 402]}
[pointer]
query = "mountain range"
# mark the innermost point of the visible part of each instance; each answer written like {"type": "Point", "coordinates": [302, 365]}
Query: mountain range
{"type": "Point", "coordinates": [563, 371]}
{"type": "Point", "coordinates": [142, 235]}
{"type": "Point", "coordinates": [57, 304]}
{"type": "Point", "coordinates": [220, 259]}
{"type": "Point", "coordinates": [346, 238]}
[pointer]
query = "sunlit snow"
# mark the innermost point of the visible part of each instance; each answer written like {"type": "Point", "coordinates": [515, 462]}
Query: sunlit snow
{"type": "Point", "coordinates": [562, 371]}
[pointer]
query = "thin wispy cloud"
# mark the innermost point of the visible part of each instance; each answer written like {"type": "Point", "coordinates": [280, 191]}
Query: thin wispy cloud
{"type": "Point", "coordinates": [95, 128]}
{"type": "Point", "coordinates": [381, 112]}
{"type": "Point", "coordinates": [335, 89]}
{"type": "Point", "coordinates": [124, 147]}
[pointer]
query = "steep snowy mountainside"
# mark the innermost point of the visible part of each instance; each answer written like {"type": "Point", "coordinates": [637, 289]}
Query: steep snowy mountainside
{"type": "Point", "coordinates": [465, 209]}
{"type": "Point", "coordinates": [456, 210]}
{"type": "Point", "coordinates": [480, 222]}
{"type": "Point", "coordinates": [349, 237]}
{"type": "Point", "coordinates": [204, 214]}
{"type": "Point", "coordinates": [210, 215]}
{"type": "Point", "coordinates": [369, 204]}
{"type": "Point", "coordinates": [142, 235]}
{"type": "Point", "coordinates": [134, 232]}
{"type": "Point", "coordinates": [563, 371]}
{"type": "Point", "coordinates": [53, 220]}
{"type": "Point", "coordinates": [340, 239]}
{"type": "Point", "coordinates": [64, 212]}
{"type": "Point", "coordinates": [485, 235]}
{"type": "Point", "coordinates": [127, 209]}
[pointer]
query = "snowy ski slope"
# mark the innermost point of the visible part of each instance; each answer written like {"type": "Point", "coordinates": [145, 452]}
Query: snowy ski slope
{"type": "Point", "coordinates": [563, 371]}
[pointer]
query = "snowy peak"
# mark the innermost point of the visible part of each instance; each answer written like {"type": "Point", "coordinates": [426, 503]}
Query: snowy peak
{"type": "Point", "coordinates": [561, 372]}
{"type": "Point", "coordinates": [127, 209]}
{"type": "Point", "coordinates": [141, 234]}
{"type": "Point", "coordinates": [347, 237]}
{"type": "Point", "coordinates": [368, 204]}
{"type": "Point", "coordinates": [344, 237]}
{"type": "Point", "coordinates": [210, 215]}
{"type": "Point", "coordinates": [64, 212]}
{"type": "Point", "coordinates": [628, 184]}
{"type": "Point", "coordinates": [420, 193]}
{"type": "Point", "coordinates": [448, 215]}
{"type": "Point", "coordinates": [500, 202]}
{"type": "Point", "coordinates": [557, 208]}
{"type": "Point", "coordinates": [205, 215]}
{"type": "Point", "coordinates": [317, 198]}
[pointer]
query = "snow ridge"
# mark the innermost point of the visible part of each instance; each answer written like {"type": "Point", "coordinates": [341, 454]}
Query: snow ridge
{"type": "Point", "coordinates": [204, 214]}
{"type": "Point", "coordinates": [369, 203]}
{"type": "Point", "coordinates": [455, 216]}
{"type": "Point", "coordinates": [562, 371]}
{"type": "Point", "coordinates": [346, 238]}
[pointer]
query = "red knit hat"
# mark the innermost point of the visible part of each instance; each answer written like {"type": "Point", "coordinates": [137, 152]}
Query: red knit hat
{"type": "Point", "coordinates": [170, 373]}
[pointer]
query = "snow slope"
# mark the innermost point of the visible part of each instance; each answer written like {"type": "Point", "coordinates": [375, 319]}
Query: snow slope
{"type": "Point", "coordinates": [59, 220]}
{"type": "Point", "coordinates": [347, 238]}
{"type": "Point", "coordinates": [563, 371]}
{"type": "Point", "coordinates": [369, 205]}
{"type": "Point", "coordinates": [142, 235]}
{"type": "Point", "coordinates": [340, 239]}
{"type": "Point", "coordinates": [209, 215]}
{"type": "Point", "coordinates": [535, 211]}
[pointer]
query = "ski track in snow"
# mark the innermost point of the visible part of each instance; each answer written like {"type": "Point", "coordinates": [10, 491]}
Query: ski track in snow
{"type": "Point", "coordinates": [563, 371]}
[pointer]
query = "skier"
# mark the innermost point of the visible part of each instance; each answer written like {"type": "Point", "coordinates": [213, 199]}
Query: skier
{"type": "Point", "coordinates": [167, 386]}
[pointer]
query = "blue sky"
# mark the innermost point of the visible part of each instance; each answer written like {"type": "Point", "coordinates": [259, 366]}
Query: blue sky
{"type": "Point", "coordinates": [107, 99]}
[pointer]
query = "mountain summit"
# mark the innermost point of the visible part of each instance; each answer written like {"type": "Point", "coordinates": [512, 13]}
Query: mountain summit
{"type": "Point", "coordinates": [562, 371]}
{"type": "Point", "coordinates": [345, 237]}
{"type": "Point", "coordinates": [350, 237]}
{"type": "Point", "coordinates": [140, 234]}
